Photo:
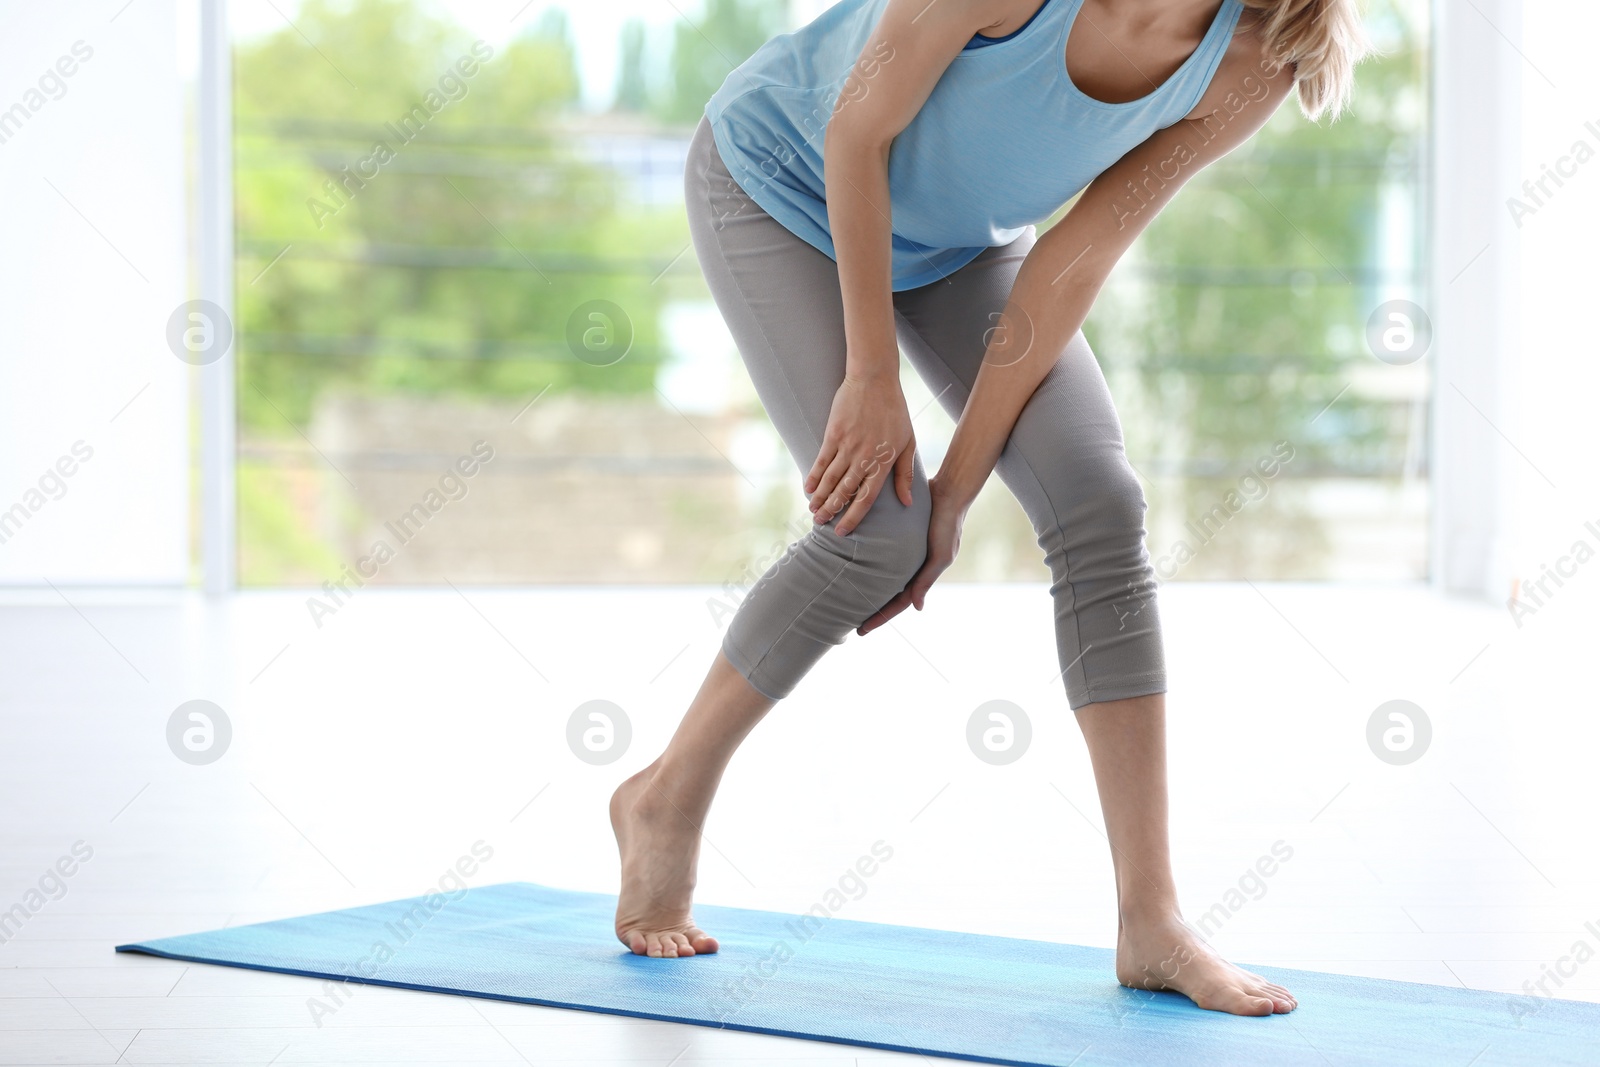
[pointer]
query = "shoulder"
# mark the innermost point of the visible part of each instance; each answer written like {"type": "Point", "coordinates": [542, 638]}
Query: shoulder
{"type": "Point", "coordinates": [973, 16]}
{"type": "Point", "coordinates": [1247, 69]}
{"type": "Point", "coordinates": [1245, 90]}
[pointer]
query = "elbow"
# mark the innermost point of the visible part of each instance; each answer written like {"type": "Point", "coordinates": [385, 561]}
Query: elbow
{"type": "Point", "coordinates": [856, 141]}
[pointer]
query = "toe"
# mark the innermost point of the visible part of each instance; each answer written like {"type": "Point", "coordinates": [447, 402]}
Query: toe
{"type": "Point", "coordinates": [636, 942]}
{"type": "Point", "coordinates": [682, 943]}
{"type": "Point", "coordinates": [702, 941]}
{"type": "Point", "coordinates": [1279, 996]}
{"type": "Point", "coordinates": [1251, 1004]}
{"type": "Point", "coordinates": [652, 945]}
{"type": "Point", "coordinates": [1237, 1001]}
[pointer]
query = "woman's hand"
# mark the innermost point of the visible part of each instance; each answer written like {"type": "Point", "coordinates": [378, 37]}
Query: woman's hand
{"type": "Point", "coordinates": [868, 440]}
{"type": "Point", "coordinates": [944, 541]}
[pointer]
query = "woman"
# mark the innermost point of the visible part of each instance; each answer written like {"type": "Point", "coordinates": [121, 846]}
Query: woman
{"type": "Point", "coordinates": [866, 185]}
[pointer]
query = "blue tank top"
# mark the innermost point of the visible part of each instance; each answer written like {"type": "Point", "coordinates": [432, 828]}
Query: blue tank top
{"type": "Point", "coordinates": [980, 41]}
{"type": "Point", "coordinates": [1004, 139]}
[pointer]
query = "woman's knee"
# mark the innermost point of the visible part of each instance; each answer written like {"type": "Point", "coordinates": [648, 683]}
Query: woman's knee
{"type": "Point", "coordinates": [1099, 521]}
{"type": "Point", "coordinates": [892, 541]}
{"type": "Point", "coordinates": [904, 553]}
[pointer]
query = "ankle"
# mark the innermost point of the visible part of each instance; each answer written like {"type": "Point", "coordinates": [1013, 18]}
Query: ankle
{"type": "Point", "coordinates": [1152, 910]}
{"type": "Point", "coordinates": [663, 801]}
{"type": "Point", "coordinates": [688, 787]}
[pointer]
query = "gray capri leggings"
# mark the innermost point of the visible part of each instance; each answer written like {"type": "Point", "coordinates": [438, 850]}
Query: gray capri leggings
{"type": "Point", "coordinates": [1064, 460]}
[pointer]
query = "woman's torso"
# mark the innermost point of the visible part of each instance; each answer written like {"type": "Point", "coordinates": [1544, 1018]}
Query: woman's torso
{"type": "Point", "coordinates": [1004, 139]}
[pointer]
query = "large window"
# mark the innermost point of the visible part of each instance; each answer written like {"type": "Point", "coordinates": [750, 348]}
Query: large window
{"type": "Point", "coordinates": [475, 346]}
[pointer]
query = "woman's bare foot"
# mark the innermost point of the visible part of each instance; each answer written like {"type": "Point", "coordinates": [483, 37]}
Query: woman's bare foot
{"type": "Point", "coordinates": [1163, 953]}
{"type": "Point", "coordinates": [659, 846]}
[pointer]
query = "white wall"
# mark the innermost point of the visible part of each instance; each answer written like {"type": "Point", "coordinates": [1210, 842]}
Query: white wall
{"type": "Point", "coordinates": [1515, 481]}
{"type": "Point", "coordinates": [1556, 379]}
{"type": "Point", "coordinates": [91, 266]}
{"type": "Point", "coordinates": [1474, 273]}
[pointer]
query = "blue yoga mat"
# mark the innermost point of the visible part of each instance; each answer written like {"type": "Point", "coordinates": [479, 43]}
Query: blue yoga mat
{"type": "Point", "coordinates": [992, 999]}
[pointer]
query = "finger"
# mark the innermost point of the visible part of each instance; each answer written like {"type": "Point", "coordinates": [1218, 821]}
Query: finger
{"type": "Point", "coordinates": [837, 471]}
{"type": "Point", "coordinates": [898, 603]}
{"type": "Point", "coordinates": [905, 465]}
{"type": "Point", "coordinates": [923, 581]}
{"type": "Point", "coordinates": [866, 493]}
{"type": "Point", "coordinates": [851, 485]}
{"type": "Point", "coordinates": [824, 458]}
{"type": "Point", "coordinates": [827, 481]}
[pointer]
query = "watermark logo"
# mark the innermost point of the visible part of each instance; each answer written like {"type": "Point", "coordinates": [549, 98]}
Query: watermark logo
{"type": "Point", "coordinates": [999, 732]}
{"type": "Point", "coordinates": [857, 85]}
{"type": "Point", "coordinates": [1200, 531]}
{"type": "Point", "coordinates": [599, 333]}
{"type": "Point", "coordinates": [598, 732]}
{"type": "Point", "coordinates": [51, 85]}
{"type": "Point", "coordinates": [850, 886]}
{"type": "Point", "coordinates": [199, 332]}
{"type": "Point", "coordinates": [450, 887]}
{"type": "Point", "coordinates": [50, 887]}
{"type": "Point", "coordinates": [1538, 192]}
{"type": "Point", "coordinates": [451, 88]}
{"type": "Point", "coordinates": [1251, 885]}
{"type": "Point", "coordinates": [451, 487]}
{"type": "Point", "coordinates": [52, 485]}
{"type": "Point", "coordinates": [756, 573]}
{"type": "Point", "coordinates": [1149, 186]}
{"type": "Point", "coordinates": [1132, 604]}
{"type": "Point", "coordinates": [1535, 991]}
{"type": "Point", "coordinates": [1399, 332]}
{"type": "Point", "coordinates": [199, 732]}
{"type": "Point", "coordinates": [1010, 339]}
{"type": "Point", "coordinates": [1399, 732]}
{"type": "Point", "coordinates": [731, 194]}
{"type": "Point", "coordinates": [1532, 594]}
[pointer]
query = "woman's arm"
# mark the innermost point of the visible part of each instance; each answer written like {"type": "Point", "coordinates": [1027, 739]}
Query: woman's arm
{"type": "Point", "coordinates": [1061, 277]}
{"type": "Point", "coordinates": [868, 428]}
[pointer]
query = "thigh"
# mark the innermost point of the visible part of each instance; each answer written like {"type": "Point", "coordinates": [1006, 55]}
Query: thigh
{"type": "Point", "coordinates": [780, 299]}
{"type": "Point", "coordinates": [778, 295]}
{"type": "Point", "coordinates": [944, 327]}
{"type": "Point", "coordinates": [1068, 440]}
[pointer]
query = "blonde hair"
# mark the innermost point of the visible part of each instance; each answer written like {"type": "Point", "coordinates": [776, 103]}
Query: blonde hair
{"type": "Point", "coordinates": [1322, 40]}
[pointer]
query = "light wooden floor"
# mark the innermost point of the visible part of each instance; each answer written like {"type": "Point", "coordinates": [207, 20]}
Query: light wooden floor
{"type": "Point", "coordinates": [370, 753]}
